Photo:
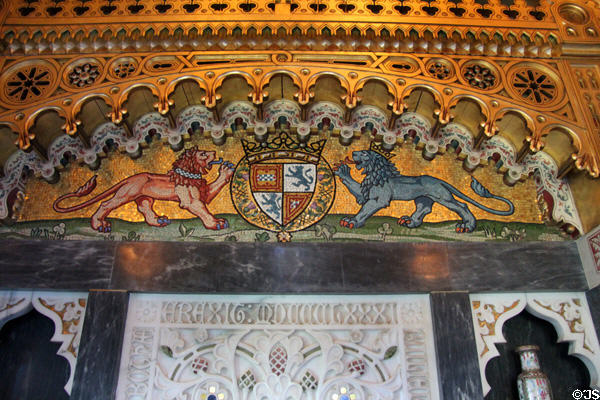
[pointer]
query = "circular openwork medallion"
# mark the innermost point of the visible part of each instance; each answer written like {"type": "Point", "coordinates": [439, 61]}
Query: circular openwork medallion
{"type": "Point", "coordinates": [480, 75]}
{"type": "Point", "coordinates": [83, 74]}
{"type": "Point", "coordinates": [123, 68]}
{"type": "Point", "coordinates": [28, 82]}
{"type": "Point", "coordinates": [534, 84]}
{"type": "Point", "coordinates": [283, 185]}
{"type": "Point", "coordinates": [439, 68]}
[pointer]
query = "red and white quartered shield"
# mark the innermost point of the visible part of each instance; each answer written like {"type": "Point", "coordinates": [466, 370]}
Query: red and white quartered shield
{"type": "Point", "coordinates": [283, 190]}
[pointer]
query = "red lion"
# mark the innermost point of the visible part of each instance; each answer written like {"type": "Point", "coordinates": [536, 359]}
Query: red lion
{"type": "Point", "coordinates": [183, 183]}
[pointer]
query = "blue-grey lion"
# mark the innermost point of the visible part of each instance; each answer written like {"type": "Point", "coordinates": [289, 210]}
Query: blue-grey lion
{"type": "Point", "coordinates": [383, 183]}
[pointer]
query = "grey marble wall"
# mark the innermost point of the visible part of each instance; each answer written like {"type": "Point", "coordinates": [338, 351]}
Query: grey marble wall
{"type": "Point", "coordinates": [292, 267]}
{"type": "Point", "coordinates": [593, 298]}
{"type": "Point", "coordinates": [458, 365]}
{"type": "Point", "coordinates": [100, 349]}
{"type": "Point", "coordinates": [62, 265]}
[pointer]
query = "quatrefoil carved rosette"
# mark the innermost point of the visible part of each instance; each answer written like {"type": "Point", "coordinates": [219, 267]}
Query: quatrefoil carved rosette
{"type": "Point", "coordinates": [535, 84]}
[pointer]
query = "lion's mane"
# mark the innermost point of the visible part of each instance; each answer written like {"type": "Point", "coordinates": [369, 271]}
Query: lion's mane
{"type": "Point", "coordinates": [377, 172]}
{"type": "Point", "coordinates": [188, 162]}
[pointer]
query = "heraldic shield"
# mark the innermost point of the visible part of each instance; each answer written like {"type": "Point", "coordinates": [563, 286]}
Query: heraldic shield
{"type": "Point", "coordinates": [283, 190]}
{"type": "Point", "coordinates": [283, 185]}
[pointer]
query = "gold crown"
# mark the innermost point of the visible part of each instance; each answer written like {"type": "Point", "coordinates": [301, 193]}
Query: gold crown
{"type": "Point", "coordinates": [283, 145]}
{"type": "Point", "coordinates": [378, 148]}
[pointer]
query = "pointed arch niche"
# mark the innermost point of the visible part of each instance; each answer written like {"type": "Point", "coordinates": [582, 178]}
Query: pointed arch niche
{"type": "Point", "coordinates": [65, 310]}
{"type": "Point", "coordinates": [567, 312]}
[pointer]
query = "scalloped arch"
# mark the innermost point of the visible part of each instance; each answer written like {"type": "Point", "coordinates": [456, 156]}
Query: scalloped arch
{"type": "Point", "coordinates": [563, 310]}
{"type": "Point", "coordinates": [545, 131]}
{"type": "Point", "coordinates": [193, 78]}
{"type": "Point", "coordinates": [86, 99]}
{"type": "Point", "coordinates": [390, 86]}
{"type": "Point", "coordinates": [483, 107]}
{"type": "Point", "coordinates": [61, 309]}
{"type": "Point", "coordinates": [438, 97]}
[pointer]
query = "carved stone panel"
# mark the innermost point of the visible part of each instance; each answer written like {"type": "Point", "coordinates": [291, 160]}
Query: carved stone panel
{"type": "Point", "coordinates": [282, 347]}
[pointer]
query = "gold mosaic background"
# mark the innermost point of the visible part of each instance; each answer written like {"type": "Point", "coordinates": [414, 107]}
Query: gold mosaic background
{"type": "Point", "coordinates": [158, 159]}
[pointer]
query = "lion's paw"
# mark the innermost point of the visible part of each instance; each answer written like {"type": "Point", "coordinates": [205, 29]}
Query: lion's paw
{"type": "Point", "coordinates": [463, 228]}
{"type": "Point", "coordinates": [349, 223]}
{"type": "Point", "coordinates": [101, 226]}
{"type": "Point", "coordinates": [405, 220]}
{"type": "Point", "coordinates": [226, 170]}
{"type": "Point", "coordinates": [220, 223]}
{"type": "Point", "coordinates": [163, 221]}
{"type": "Point", "coordinates": [342, 171]}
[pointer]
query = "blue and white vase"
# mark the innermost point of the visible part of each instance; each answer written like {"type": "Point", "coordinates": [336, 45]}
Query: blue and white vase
{"type": "Point", "coordinates": [533, 384]}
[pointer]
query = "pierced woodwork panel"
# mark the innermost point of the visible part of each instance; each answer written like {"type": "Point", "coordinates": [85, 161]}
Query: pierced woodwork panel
{"type": "Point", "coordinates": [587, 80]}
{"type": "Point", "coordinates": [83, 74]}
{"type": "Point", "coordinates": [471, 19]}
{"type": "Point", "coordinates": [123, 68]}
{"type": "Point", "coordinates": [466, 9]}
{"type": "Point", "coordinates": [481, 76]}
{"type": "Point", "coordinates": [534, 85]}
{"type": "Point", "coordinates": [440, 68]}
{"type": "Point", "coordinates": [28, 82]}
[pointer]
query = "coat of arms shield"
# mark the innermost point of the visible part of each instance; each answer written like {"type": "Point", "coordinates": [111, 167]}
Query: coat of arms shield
{"type": "Point", "coordinates": [283, 185]}
{"type": "Point", "coordinates": [282, 190]}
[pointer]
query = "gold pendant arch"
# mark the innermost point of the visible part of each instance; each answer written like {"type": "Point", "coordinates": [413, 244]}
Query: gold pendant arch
{"type": "Point", "coordinates": [485, 95]}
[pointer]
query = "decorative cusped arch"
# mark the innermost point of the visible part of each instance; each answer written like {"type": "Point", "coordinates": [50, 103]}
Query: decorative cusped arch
{"type": "Point", "coordinates": [568, 313]}
{"type": "Point", "coordinates": [65, 310]}
{"type": "Point", "coordinates": [304, 75]}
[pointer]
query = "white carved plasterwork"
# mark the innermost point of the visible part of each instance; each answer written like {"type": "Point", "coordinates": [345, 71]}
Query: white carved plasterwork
{"type": "Point", "coordinates": [66, 310]}
{"type": "Point", "coordinates": [278, 348]}
{"type": "Point", "coordinates": [490, 312]}
{"type": "Point", "coordinates": [568, 313]}
{"type": "Point", "coordinates": [324, 109]}
{"type": "Point", "coordinates": [13, 304]}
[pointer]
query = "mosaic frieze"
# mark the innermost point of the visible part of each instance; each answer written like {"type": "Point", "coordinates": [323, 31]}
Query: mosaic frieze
{"type": "Point", "coordinates": [285, 180]}
{"type": "Point", "coordinates": [281, 347]}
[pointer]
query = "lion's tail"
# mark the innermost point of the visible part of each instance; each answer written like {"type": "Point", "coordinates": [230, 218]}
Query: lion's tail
{"type": "Point", "coordinates": [480, 190]}
{"type": "Point", "coordinates": [84, 190]}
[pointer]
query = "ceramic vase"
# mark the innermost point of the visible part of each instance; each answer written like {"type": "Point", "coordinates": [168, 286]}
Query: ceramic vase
{"type": "Point", "coordinates": [533, 384]}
